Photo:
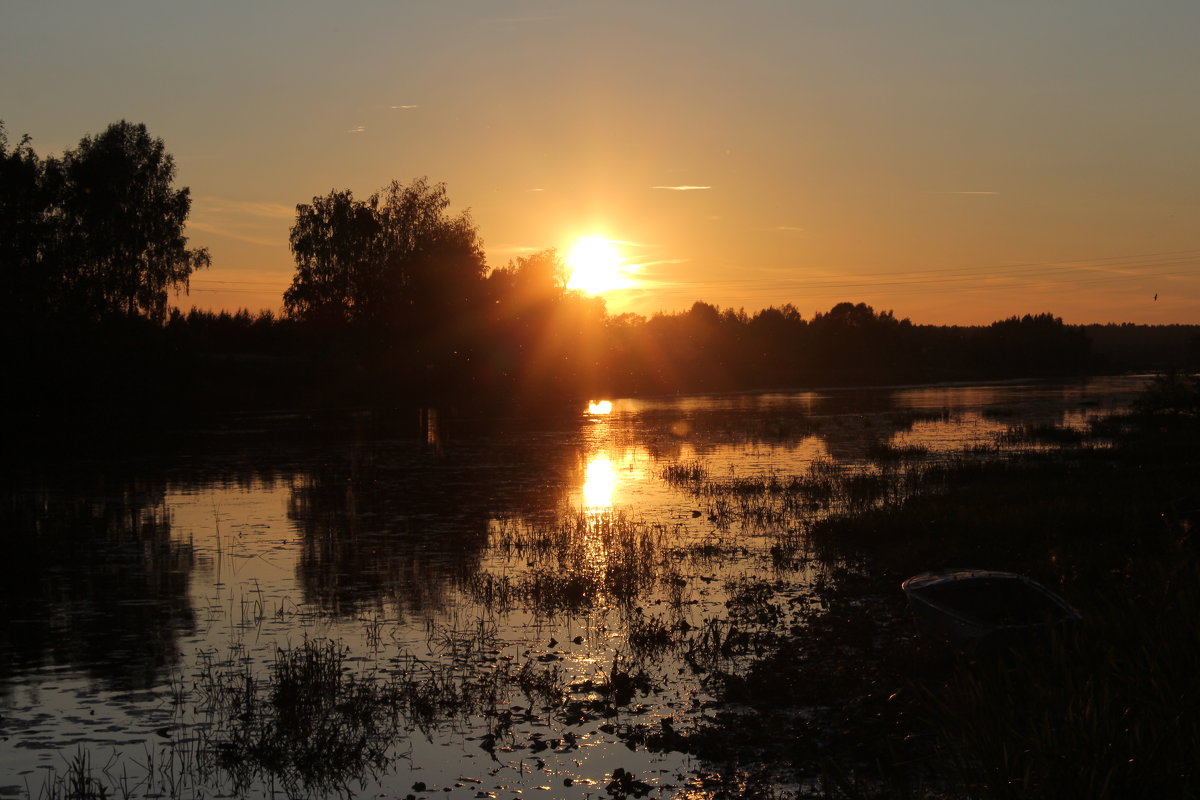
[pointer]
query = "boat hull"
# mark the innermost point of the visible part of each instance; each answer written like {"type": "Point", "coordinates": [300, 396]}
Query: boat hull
{"type": "Point", "coordinates": [974, 608]}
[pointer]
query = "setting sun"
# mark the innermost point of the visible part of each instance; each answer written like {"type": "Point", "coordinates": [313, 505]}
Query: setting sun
{"type": "Point", "coordinates": [596, 266]}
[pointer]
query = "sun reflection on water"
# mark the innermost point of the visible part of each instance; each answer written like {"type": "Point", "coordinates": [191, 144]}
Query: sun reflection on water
{"type": "Point", "coordinates": [599, 481]}
{"type": "Point", "coordinates": [601, 407]}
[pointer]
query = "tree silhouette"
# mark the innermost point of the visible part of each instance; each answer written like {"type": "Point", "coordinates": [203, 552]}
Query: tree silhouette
{"type": "Point", "coordinates": [1038, 344]}
{"type": "Point", "coordinates": [90, 244]}
{"type": "Point", "coordinates": [121, 243]}
{"type": "Point", "coordinates": [396, 259]}
{"type": "Point", "coordinates": [25, 203]}
{"type": "Point", "coordinates": [337, 244]}
{"type": "Point", "coordinates": [529, 280]}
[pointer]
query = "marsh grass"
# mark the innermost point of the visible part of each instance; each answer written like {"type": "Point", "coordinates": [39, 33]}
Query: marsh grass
{"type": "Point", "coordinates": [684, 473]}
{"type": "Point", "coordinates": [776, 502]}
{"type": "Point", "coordinates": [1044, 434]}
{"type": "Point", "coordinates": [77, 782]}
{"type": "Point", "coordinates": [544, 684]}
{"type": "Point", "coordinates": [315, 724]}
{"type": "Point", "coordinates": [175, 769]}
{"type": "Point", "coordinates": [712, 547]}
{"type": "Point", "coordinates": [460, 642]}
{"type": "Point", "coordinates": [575, 562]}
{"type": "Point", "coordinates": [319, 721]}
{"type": "Point", "coordinates": [312, 723]}
{"type": "Point", "coordinates": [884, 452]}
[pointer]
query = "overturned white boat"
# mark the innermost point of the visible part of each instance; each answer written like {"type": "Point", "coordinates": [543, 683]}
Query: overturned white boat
{"type": "Point", "coordinates": [979, 607]}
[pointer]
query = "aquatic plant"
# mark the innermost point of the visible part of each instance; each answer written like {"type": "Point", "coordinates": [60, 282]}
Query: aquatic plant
{"type": "Point", "coordinates": [684, 473]}
{"type": "Point", "coordinates": [651, 635]}
{"type": "Point", "coordinates": [573, 563]}
{"type": "Point", "coordinates": [311, 724]}
{"type": "Point", "coordinates": [78, 782]}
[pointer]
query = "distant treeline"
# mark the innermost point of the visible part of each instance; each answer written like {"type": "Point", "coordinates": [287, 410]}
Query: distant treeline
{"type": "Point", "coordinates": [571, 349]}
{"type": "Point", "coordinates": [392, 303]}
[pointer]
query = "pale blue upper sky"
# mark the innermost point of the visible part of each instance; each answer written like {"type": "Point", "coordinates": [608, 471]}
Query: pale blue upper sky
{"type": "Point", "coordinates": [957, 161]}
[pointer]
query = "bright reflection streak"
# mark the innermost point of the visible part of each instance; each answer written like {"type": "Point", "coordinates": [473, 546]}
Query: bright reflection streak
{"type": "Point", "coordinates": [600, 479]}
{"type": "Point", "coordinates": [603, 407]}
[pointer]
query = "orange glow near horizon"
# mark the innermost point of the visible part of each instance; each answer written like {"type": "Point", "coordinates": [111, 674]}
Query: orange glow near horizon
{"type": "Point", "coordinates": [596, 266]}
{"type": "Point", "coordinates": [683, 170]}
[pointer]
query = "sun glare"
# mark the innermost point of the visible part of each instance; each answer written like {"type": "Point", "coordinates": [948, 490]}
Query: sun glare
{"type": "Point", "coordinates": [603, 407]}
{"type": "Point", "coordinates": [596, 266]}
{"type": "Point", "coordinates": [599, 481]}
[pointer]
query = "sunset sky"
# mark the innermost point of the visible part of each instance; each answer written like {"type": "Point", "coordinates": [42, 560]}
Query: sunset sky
{"type": "Point", "coordinates": [957, 161]}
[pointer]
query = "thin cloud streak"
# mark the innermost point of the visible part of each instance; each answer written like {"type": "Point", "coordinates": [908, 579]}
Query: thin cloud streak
{"type": "Point", "coordinates": [232, 231]}
{"type": "Point", "coordinates": [253, 221]}
{"type": "Point", "coordinates": [642, 265]}
{"type": "Point", "coordinates": [682, 188]}
{"type": "Point", "coordinates": [210, 204]}
{"type": "Point", "coordinates": [404, 108]}
{"type": "Point", "coordinates": [514, 249]}
{"type": "Point", "coordinates": [543, 18]}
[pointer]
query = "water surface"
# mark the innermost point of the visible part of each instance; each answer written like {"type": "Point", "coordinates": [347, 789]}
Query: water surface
{"type": "Point", "coordinates": [415, 538]}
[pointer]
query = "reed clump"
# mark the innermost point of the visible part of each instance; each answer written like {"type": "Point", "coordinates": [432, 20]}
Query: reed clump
{"type": "Point", "coordinates": [312, 724]}
{"type": "Point", "coordinates": [772, 502]}
{"type": "Point", "coordinates": [77, 782]}
{"type": "Point", "coordinates": [574, 562]}
{"type": "Point", "coordinates": [684, 473]}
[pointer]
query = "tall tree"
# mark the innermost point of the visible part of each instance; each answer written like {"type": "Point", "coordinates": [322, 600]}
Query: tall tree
{"type": "Point", "coordinates": [434, 262]}
{"type": "Point", "coordinates": [398, 258]}
{"type": "Point", "coordinates": [122, 221]}
{"type": "Point", "coordinates": [25, 216]}
{"type": "Point", "coordinates": [337, 241]}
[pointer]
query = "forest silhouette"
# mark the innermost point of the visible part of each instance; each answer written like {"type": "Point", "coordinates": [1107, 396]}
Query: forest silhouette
{"type": "Point", "coordinates": [393, 304]}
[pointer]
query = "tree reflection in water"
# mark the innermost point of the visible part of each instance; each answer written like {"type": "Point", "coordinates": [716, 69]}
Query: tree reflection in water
{"type": "Point", "coordinates": [93, 579]}
{"type": "Point", "coordinates": [393, 520]}
{"type": "Point", "coordinates": [375, 531]}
